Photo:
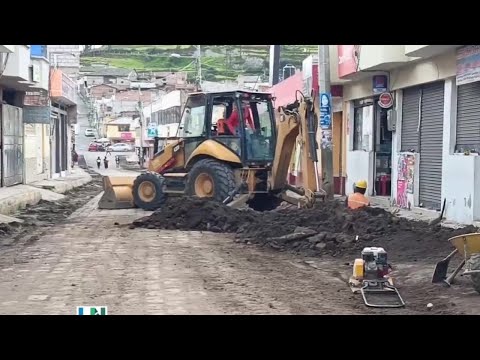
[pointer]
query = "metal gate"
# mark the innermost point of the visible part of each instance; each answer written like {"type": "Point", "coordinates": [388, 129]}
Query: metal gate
{"type": "Point", "coordinates": [410, 118]}
{"type": "Point", "coordinates": [431, 144]}
{"type": "Point", "coordinates": [12, 141]}
{"type": "Point", "coordinates": [468, 117]}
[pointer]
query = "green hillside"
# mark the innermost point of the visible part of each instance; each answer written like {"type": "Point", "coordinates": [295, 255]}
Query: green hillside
{"type": "Point", "coordinates": [219, 62]}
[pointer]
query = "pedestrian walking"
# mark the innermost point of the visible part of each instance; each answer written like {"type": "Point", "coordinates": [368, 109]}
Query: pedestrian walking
{"type": "Point", "coordinates": [99, 162]}
{"type": "Point", "coordinates": [105, 162]}
{"type": "Point", "coordinates": [117, 161]}
{"type": "Point", "coordinates": [74, 157]}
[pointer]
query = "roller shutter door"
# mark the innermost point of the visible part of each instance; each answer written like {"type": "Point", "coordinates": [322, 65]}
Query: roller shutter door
{"type": "Point", "coordinates": [468, 117]}
{"type": "Point", "coordinates": [410, 114]}
{"type": "Point", "coordinates": [431, 145]}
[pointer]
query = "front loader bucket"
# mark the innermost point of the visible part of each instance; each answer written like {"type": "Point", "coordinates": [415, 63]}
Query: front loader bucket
{"type": "Point", "coordinates": [117, 192]}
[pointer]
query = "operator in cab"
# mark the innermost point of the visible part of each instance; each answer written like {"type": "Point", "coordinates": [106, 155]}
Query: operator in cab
{"type": "Point", "coordinates": [358, 198]}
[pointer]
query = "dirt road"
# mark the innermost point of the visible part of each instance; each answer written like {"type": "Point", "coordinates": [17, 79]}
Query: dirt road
{"type": "Point", "coordinates": [93, 259]}
{"type": "Point", "coordinates": [62, 258]}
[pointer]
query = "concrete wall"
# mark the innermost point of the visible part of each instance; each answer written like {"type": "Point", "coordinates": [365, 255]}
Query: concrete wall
{"type": "Point", "coordinates": [68, 58]}
{"type": "Point", "coordinates": [36, 152]}
{"type": "Point", "coordinates": [359, 162]}
{"type": "Point", "coordinates": [459, 187]}
{"type": "Point", "coordinates": [44, 72]}
{"type": "Point", "coordinates": [415, 73]}
{"type": "Point", "coordinates": [461, 173]}
{"type": "Point", "coordinates": [359, 167]}
{"type": "Point", "coordinates": [94, 80]}
{"type": "Point", "coordinates": [19, 63]}
{"type": "Point", "coordinates": [372, 56]}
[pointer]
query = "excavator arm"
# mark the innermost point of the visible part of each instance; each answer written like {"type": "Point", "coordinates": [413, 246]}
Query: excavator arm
{"type": "Point", "coordinates": [297, 120]}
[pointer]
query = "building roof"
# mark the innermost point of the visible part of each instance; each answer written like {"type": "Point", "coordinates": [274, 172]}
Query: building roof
{"type": "Point", "coordinates": [285, 91]}
{"type": "Point", "coordinates": [114, 86]}
{"type": "Point", "coordinates": [121, 121]}
{"type": "Point", "coordinates": [133, 95]}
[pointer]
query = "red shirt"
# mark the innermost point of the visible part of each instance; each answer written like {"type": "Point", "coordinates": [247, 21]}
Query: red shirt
{"type": "Point", "coordinates": [233, 120]}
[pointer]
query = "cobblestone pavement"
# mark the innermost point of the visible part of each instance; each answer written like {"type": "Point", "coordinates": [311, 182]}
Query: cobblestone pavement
{"type": "Point", "coordinates": [91, 261]}
{"type": "Point", "coordinates": [94, 259]}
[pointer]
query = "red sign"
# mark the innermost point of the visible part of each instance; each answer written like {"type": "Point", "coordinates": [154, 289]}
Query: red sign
{"type": "Point", "coordinates": [385, 100]}
{"type": "Point", "coordinates": [126, 136]}
{"type": "Point", "coordinates": [347, 63]}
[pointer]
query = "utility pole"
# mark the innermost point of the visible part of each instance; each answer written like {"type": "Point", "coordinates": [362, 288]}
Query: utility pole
{"type": "Point", "coordinates": [198, 64]}
{"type": "Point", "coordinates": [142, 124]}
{"type": "Point", "coordinates": [325, 98]}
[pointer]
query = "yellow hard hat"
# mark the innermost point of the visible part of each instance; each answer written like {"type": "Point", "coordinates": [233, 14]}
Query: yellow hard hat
{"type": "Point", "coordinates": [362, 184]}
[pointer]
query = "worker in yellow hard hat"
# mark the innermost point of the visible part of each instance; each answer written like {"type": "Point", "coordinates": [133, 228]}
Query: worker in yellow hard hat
{"type": "Point", "coordinates": [358, 198]}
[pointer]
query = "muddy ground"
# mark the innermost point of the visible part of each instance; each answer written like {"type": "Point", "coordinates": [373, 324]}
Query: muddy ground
{"type": "Point", "coordinates": [327, 229]}
{"type": "Point", "coordinates": [329, 237]}
{"type": "Point", "coordinates": [46, 214]}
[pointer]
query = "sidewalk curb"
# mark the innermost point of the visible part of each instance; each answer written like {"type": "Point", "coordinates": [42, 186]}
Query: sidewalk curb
{"type": "Point", "coordinates": [48, 190]}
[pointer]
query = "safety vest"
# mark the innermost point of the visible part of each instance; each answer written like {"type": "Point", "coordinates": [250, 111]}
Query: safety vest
{"type": "Point", "coordinates": [357, 200]}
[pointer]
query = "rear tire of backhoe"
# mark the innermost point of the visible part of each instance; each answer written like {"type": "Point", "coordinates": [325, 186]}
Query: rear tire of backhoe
{"type": "Point", "coordinates": [148, 191]}
{"type": "Point", "coordinates": [212, 179]}
{"type": "Point", "coordinates": [474, 264]}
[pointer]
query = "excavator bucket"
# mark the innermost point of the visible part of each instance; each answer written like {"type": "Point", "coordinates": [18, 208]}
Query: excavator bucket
{"type": "Point", "coordinates": [117, 192]}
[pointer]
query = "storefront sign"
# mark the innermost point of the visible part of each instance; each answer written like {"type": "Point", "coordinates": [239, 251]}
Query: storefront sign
{"type": "Point", "coordinates": [385, 100]}
{"type": "Point", "coordinates": [347, 62]}
{"type": "Point", "coordinates": [468, 64]}
{"type": "Point", "coordinates": [152, 131]}
{"type": "Point", "coordinates": [36, 114]}
{"type": "Point", "coordinates": [36, 98]}
{"type": "Point", "coordinates": [380, 84]}
{"type": "Point", "coordinates": [325, 111]}
{"type": "Point", "coordinates": [126, 136]}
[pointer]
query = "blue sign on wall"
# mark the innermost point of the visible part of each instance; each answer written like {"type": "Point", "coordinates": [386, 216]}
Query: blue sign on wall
{"type": "Point", "coordinates": [325, 111]}
{"type": "Point", "coordinates": [380, 84]}
{"type": "Point", "coordinates": [38, 50]}
{"type": "Point", "coordinates": [152, 131]}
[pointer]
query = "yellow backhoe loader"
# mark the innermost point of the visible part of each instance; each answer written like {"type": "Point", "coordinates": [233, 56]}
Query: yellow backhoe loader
{"type": "Point", "coordinates": [233, 147]}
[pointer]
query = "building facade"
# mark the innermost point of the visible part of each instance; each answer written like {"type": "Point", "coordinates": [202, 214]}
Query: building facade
{"type": "Point", "coordinates": [24, 117]}
{"type": "Point", "coordinates": [413, 114]}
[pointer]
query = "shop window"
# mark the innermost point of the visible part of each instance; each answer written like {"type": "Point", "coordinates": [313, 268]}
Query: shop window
{"type": "Point", "coordinates": [357, 128]}
{"type": "Point", "coordinates": [362, 125]}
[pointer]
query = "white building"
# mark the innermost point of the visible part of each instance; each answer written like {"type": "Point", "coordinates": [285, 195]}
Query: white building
{"type": "Point", "coordinates": [425, 147]}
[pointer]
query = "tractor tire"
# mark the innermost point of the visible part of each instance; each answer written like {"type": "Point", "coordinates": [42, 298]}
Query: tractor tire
{"type": "Point", "coordinates": [474, 264]}
{"type": "Point", "coordinates": [148, 191]}
{"type": "Point", "coordinates": [210, 178]}
{"type": "Point", "coordinates": [264, 202]}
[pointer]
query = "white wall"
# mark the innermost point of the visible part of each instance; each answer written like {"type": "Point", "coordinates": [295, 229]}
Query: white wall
{"type": "Point", "coordinates": [359, 167]}
{"type": "Point", "coordinates": [36, 152]}
{"type": "Point", "coordinates": [359, 162]}
{"type": "Point", "coordinates": [459, 186]}
{"type": "Point", "coordinates": [44, 68]}
{"type": "Point", "coordinates": [18, 63]}
{"type": "Point", "coordinates": [459, 171]}
{"type": "Point", "coordinates": [380, 55]}
{"type": "Point", "coordinates": [415, 73]}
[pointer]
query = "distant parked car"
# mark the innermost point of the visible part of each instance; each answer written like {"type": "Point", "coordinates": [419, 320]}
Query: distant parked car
{"type": "Point", "coordinates": [96, 147]}
{"type": "Point", "coordinates": [89, 133]}
{"type": "Point", "coordinates": [120, 147]}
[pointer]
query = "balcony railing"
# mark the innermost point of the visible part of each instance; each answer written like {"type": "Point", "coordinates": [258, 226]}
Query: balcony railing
{"type": "Point", "coordinates": [38, 51]}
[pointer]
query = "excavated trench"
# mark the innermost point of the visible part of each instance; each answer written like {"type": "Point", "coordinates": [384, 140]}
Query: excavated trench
{"type": "Point", "coordinates": [328, 228]}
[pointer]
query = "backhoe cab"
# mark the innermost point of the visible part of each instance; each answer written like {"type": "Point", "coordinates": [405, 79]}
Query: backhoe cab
{"type": "Point", "coordinates": [227, 144]}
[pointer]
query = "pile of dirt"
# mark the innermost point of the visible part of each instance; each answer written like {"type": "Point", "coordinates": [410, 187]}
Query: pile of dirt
{"type": "Point", "coordinates": [328, 228]}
